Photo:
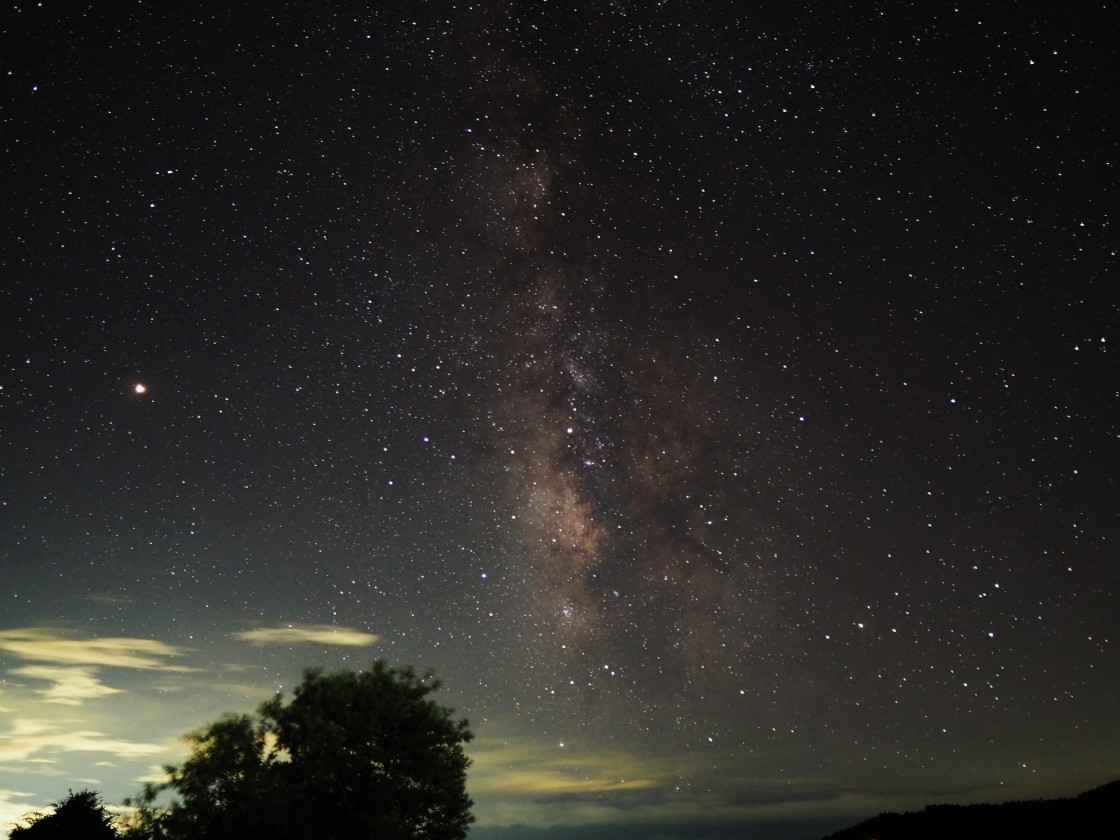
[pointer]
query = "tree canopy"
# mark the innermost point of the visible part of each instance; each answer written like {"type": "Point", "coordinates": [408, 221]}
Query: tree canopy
{"type": "Point", "coordinates": [79, 815]}
{"type": "Point", "coordinates": [352, 755]}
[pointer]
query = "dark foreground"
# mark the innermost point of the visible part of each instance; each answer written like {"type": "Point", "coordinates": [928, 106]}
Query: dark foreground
{"type": "Point", "coordinates": [1082, 816]}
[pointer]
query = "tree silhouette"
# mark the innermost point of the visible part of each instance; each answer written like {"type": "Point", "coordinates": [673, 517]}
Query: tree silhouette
{"type": "Point", "coordinates": [353, 755]}
{"type": "Point", "coordinates": [80, 816]}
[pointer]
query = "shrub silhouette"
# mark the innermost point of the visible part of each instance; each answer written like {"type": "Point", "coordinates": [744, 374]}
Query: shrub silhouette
{"type": "Point", "coordinates": [79, 815]}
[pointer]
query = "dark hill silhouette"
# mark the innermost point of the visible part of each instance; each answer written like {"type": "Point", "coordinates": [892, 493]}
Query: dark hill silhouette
{"type": "Point", "coordinates": [1086, 815]}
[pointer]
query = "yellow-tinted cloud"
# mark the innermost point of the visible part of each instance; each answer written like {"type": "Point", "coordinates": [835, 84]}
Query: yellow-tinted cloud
{"type": "Point", "coordinates": [156, 775]}
{"type": "Point", "coordinates": [323, 634]}
{"type": "Point", "coordinates": [524, 781]}
{"type": "Point", "coordinates": [527, 782]}
{"type": "Point", "coordinates": [527, 768]}
{"type": "Point", "coordinates": [11, 809]}
{"type": "Point", "coordinates": [29, 737]}
{"type": "Point", "coordinates": [70, 685]}
{"type": "Point", "coordinates": [46, 645]}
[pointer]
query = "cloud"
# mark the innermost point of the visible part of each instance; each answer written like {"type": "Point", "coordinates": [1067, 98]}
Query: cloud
{"type": "Point", "coordinates": [156, 775]}
{"type": "Point", "coordinates": [524, 781]}
{"type": "Point", "coordinates": [531, 768]}
{"type": "Point", "coordinates": [69, 685]}
{"type": "Point", "coordinates": [28, 737]}
{"type": "Point", "coordinates": [46, 645]}
{"type": "Point", "coordinates": [322, 634]}
{"type": "Point", "coordinates": [10, 809]}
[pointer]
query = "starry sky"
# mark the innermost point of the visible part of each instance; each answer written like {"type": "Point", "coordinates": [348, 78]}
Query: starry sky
{"type": "Point", "coordinates": [721, 398]}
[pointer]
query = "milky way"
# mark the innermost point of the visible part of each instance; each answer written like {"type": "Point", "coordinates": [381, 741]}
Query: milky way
{"type": "Point", "coordinates": [619, 455]}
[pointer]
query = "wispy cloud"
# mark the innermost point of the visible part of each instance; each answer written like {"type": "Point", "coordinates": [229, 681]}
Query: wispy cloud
{"type": "Point", "coordinates": [29, 738]}
{"type": "Point", "coordinates": [10, 808]}
{"type": "Point", "coordinates": [322, 634]}
{"type": "Point", "coordinates": [70, 685]}
{"type": "Point", "coordinates": [529, 769]}
{"type": "Point", "coordinates": [156, 774]}
{"type": "Point", "coordinates": [524, 781]}
{"type": "Point", "coordinates": [38, 644]}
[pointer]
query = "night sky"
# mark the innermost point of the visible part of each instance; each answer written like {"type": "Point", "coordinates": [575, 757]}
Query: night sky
{"type": "Point", "coordinates": [721, 398]}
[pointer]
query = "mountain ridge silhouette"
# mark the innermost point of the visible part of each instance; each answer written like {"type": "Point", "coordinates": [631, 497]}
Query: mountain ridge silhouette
{"type": "Point", "coordinates": [1084, 815]}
